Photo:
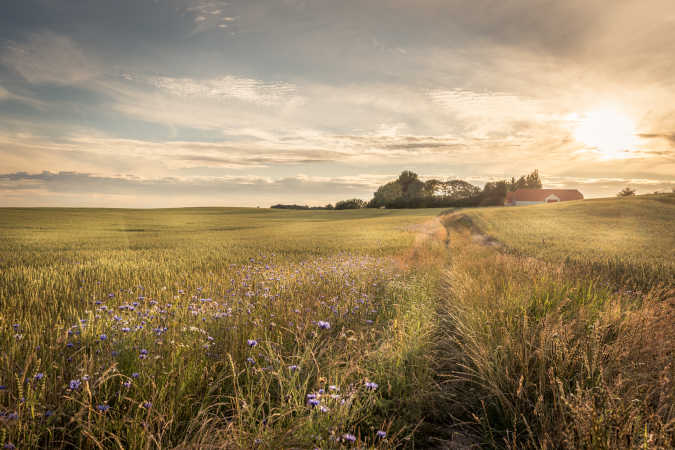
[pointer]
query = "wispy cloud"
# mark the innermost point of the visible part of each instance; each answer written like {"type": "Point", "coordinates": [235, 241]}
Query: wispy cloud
{"type": "Point", "coordinates": [227, 87]}
{"type": "Point", "coordinates": [46, 57]}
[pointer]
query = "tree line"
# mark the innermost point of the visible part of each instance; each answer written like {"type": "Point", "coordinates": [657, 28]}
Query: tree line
{"type": "Point", "coordinates": [408, 191]}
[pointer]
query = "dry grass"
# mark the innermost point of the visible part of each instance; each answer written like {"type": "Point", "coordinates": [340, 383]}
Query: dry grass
{"type": "Point", "coordinates": [539, 356]}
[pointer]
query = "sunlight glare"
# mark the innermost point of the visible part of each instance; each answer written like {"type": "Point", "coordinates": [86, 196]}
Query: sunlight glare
{"type": "Point", "coordinates": [608, 131]}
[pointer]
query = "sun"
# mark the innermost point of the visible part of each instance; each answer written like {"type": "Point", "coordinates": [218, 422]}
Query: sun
{"type": "Point", "coordinates": [608, 132]}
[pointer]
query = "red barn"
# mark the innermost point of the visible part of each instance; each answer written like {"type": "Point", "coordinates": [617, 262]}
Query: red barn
{"type": "Point", "coordinates": [534, 196]}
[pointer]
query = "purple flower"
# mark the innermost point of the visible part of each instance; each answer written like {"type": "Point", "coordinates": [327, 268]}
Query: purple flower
{"type": "Point", "coordinates": [9, 446]}
{"type": "Point", "coordinates": [381, 434]}
{"type": "Point", "coordinates": [323, 409]}
{"type": "Point", "coordinates": [103, 337]}
{"type": "Point", "coordinates": [313, 402]}
{"type": "Point", "coordinates": [252, 342]}
{"type": "Point", "coordinates": [85, 378]}
{"type": "Point", "coordinates": [126, 384]}
{"type": "Point", "coordinates": [135, 375]}
{"type": "Point", "coordinates": [371, 385]}
{"type": "Point", "coordinates": [49, 413]}
{"type": "Point", "coordinates": [349, 437]}
{"type": "Point", "coordinates": [12, 416]}
{"type": "Point", "coordinates": [293, 368]}
{"type": "Point", "coordinates": [74, 384]}
{"type": "Point", "coordinates": [103, 408]}
{"type": "Point", "coordinates": [147, 405]}
{"type": "Point", "coordinates": [323, 325]}
{"type": "Point", "coordinates": [39, 376]}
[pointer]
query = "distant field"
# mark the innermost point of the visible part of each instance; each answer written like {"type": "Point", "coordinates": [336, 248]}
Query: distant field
{"type": "Point", "coordinates": [639, 229]}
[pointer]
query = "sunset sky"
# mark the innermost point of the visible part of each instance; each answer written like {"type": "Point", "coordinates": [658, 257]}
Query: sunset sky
{"type": "Point", "coordinates": [153, 103]}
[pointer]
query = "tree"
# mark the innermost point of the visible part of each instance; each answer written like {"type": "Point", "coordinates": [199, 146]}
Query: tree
{"type": "Point", "coordinates": [626, 192]}
{"type": "Point", "coordinates": [494, 193]}
{"type": "Point", "coordinates": [387, 194]}
{"type": "Point", "coordinates": [353, 203]}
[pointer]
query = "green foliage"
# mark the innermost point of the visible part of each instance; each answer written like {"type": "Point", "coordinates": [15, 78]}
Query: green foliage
{"type": "Point", "coordinates": [354, 203]}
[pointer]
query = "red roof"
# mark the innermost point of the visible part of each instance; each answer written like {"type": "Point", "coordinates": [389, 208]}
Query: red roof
{"type": "Point", "coordinates": [539, 195]}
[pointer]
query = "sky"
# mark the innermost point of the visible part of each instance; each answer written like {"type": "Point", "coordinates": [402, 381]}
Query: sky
{"type": "Point", "coordinates": [166, 103]}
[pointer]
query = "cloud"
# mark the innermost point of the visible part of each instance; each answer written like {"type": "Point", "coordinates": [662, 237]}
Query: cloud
{"type": "Point", "coordinates": [95, 190]}
{"type": "Point", "coordinates": [225, 88]}
{"type": "Point", "coordinates": [670, 137]}
{"type": "Point", "coordinates": [47, 57]}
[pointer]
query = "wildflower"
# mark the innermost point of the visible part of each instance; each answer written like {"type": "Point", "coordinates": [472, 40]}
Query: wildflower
{"type": "Point", "coordinates": [74, 384]}
{"type": "Point", "coordinates": [39, 376]}
{"type": "Point", "coordinates": [323, 325]}
{"type": "Point", "coordinates": [381, 434]}
{"type": "Point", "coordinates": [49, 413]}
{"type": "Point", "coordinates": [349, 437]}
{"type": "Point", "coordinates": [371, 385]}
{"type": "Point", "coordinates": [2, 387]}
{"type": "Point", "coordinates": [115, 353]}
{"type": "Point", "coordinates": [12, 416]}
{"type": "Point", "coordinates": [250, 360]}
{"type": "Point", "coordinates": [313, 402]}
{"type": "Point", "coordinates": [135, 375]}
{"type": "Point", "coordinates": [85, 378]}
{"type": "Point", "coordinates": [69, 345]}
{"type": "Point", "coordinates": [103, 337]}
{"type": "Point", "coordinates": [323, 409]}
{"type": "Point", "coordinates": [252, 342]}
{"type": "Point", "coordinates": [293, 368]}
{"type": "Point", "coordinates": [9, 446]}
{"type": "Point", "coordinates": [332, 387]}
{"type": "Point", "coordinates": [126, 329]}
{"type": "Point", "coordinates": [147, 405]}
{"type": "Point", "coordinates": [103, 408]}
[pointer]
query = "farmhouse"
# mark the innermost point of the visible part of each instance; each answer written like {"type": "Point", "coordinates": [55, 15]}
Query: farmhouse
{"type": "Point", "coordinates": [534, 196]}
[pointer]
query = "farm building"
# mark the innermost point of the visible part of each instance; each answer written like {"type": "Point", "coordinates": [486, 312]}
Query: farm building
{"type": "Point", "coordinates": [533, 196]}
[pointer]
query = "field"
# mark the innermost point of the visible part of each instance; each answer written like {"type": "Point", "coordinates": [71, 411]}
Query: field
{"type": "Point", "coordinates": [255, 328]}
{"type": "Point", "coordinates": [208, 327]}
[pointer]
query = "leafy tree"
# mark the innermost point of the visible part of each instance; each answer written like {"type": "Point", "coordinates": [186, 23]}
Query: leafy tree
{"type": "Point", "coordinates": [354, 203]}
{"type": "Point", "coordinates": [387, 194]}
{"type": "Point", "coordinates": [626, 192]}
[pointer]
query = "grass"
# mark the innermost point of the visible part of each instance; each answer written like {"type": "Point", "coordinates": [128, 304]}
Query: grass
{"type": "Point", "coordinates": [212, 327]}
{"type": "Point", "coordinates": [253, 328]}
{"type": "Point", "coordinates": [536, 353]}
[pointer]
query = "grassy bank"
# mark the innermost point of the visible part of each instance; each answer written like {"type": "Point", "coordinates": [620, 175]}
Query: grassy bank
{"type": "Point", "coordinates": [537, 353]}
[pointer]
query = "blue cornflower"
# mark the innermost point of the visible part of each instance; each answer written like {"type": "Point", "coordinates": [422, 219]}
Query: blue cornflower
{"type": "Point", "coordinates": [381, 434]}
{"type": "Point", "coordinates": [126, 384]}
{"type": "Point", "coordinates": [135, 375]}
{"type": "Point", "coordinates": [371, 385]}
{"type": "Point", "coordinates": [9, 446]}
{"type": "Point", "coordinates": [103, 408]}
{"type": "Point", "coordinates": [75, 384]}
{"type": "Point", "coordinates": [349, 437]}
{"type": "Point", "coordinates": [69, 344]}
{"type": "Point", "coordinates": [293, 368]}
{"type": "Point", "coordinates": [250, 360]}
{"type": "Point", "coordinates": [252, 342]}
{"type": "Point", "coordinates": [103, 337]}
{"type": "Point", "coordinates": [2, 387]}
{"type": "Point", "coordinates": [85, 378]}
{"type": "Point", "coordinates": [313, 402]}
{"type": "Point", "coordinates": [323, 325]}
{"type": "Point", "coordinates": [323, 409]}
{"type": "Point", "coordinates": [147, 405]}
{"type": "Point", "coordinates": [126, 329]}
{"type": "Point", "coordinates": [12, 416]}
{"type": "Point", "coordinates": [39, 376]}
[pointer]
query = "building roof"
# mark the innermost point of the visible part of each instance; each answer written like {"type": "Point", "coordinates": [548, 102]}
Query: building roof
{"type": "Point", "coordinates": [539, 195]}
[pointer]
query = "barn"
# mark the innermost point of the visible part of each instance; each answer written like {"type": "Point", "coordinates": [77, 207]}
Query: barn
{"type": "Point", "coordinates": [534, 196]}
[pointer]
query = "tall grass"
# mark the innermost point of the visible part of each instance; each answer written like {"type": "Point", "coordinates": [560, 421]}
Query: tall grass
{"type": "Point", "coordinates": [538, 355]}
